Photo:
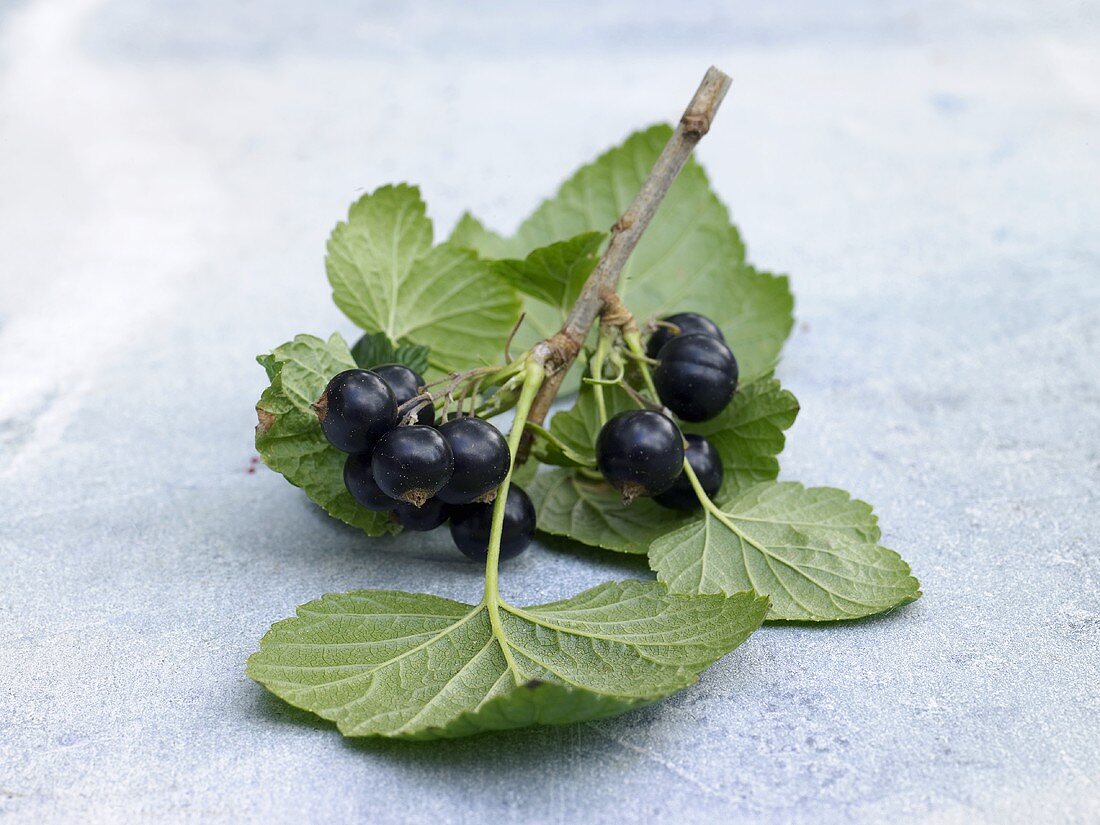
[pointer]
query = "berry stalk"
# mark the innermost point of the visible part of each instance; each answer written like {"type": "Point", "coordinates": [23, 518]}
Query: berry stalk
{"type": "Point", "coordinates": [533, 377]}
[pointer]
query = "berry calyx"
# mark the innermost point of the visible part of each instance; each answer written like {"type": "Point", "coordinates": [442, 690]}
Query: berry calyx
{"type": "Point", "coordinates": [690, 323]}
{"type": "Point", "coordinates": [471, 524]}
{"type": "Point", "coordinates": [697, 376]}
{"type": "Point", "coordinates": [412, 464]}
{"type": "Point", "coordinates": [406, 384]}
{"type": "Point", "coordinates": [356, 409]}
{"type": "Point", "coordinates": [641, 452]}
{"type": "Point", "coordinates": [421, 519]}
{"type": "Point", "coordinates": [481, 456]}
{"type": "Point", "coordinates": [707, 465]}
{"type": "Point", "coordinates": [360, 482]}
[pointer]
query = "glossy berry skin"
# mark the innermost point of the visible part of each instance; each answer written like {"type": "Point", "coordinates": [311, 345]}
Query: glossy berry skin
{"type": "Point", "coordinates": [706, 463]}
{"type": "Point", "coordinates": [412, 464]}
{"type": "Point", "coordinates": [697, 376]}
{"type": "Point", "coordinates": [421, 519]}
{"type": "Point", "coordinates": [406, 384]}
{"type": "Point", "coordinates": [690, 323]}
{"type": "Point", "coordinates": [471, 523]}
{"type": "Point", "coordinates": [481, 459]}
{"type": "Point", "coordinates": [641, 452]}
{"type": "Point", "coordinates": [359, 480]}
{"type": "Point", "coordinates": [357, 409]}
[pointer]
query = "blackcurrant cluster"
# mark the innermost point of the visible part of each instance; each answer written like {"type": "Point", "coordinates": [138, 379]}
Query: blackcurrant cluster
{"type": "Point", "coordinates": [642, 452]}
{"type": "Point", "coordinates": [423, 474]}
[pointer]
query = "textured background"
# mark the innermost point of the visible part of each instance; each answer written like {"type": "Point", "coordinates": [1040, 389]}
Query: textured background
{"type": "Point", "coordinates": [927, 172]}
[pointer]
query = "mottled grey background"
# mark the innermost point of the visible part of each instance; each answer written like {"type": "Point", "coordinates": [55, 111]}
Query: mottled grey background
{"type": "Point", "coordinates": [927, 172]}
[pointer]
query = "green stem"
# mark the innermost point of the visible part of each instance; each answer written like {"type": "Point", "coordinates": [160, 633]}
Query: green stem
{"type": "Point", "coordinates": [595, 369]}
{"type": "Point", "coordinates": [633, 340]}
{"type": "Point", "coordinates": [716, 511]}
{"type": "Point", "coordinates": [533, 377]}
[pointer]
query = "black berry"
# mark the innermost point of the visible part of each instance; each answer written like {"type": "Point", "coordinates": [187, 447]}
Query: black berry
{"type": "Point", "coordinates": [421, 519]}
{"type": "Point", "coordinates": [412, 464]}
{"type": "Point", "coordinates": [471, 523]}
{"type": "Point", "coordinates": [690, 323]}
{"type": "Point", "coordinates": [406, 385]}
{"type": "Point", "coordinates": [359, 480]}
{"type": "Point", "coordinates": [356, 410]}
{"type": "Point", "coordinates": [641, 452]}
{"type": "Point", "coordinates": [697, 376]}
{"type": "Point", "coordinates": [706, 463]}
{"type": "Point", "coordinates": [481, 459]}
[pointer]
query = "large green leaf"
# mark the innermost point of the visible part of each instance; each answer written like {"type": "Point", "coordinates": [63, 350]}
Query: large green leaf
{"type": "Point", "coordinates": [592, 512]}
{"type": "Point", "coordinates": [387, 277]}
{"type": "Point", "coordinates": [690, 258]}
{"type": "Point", "coordinates": [385, 663]}
{"type": "Point", "coordinates": [813, 552]}
{"type": "Point", "coordinates": [289, 437]}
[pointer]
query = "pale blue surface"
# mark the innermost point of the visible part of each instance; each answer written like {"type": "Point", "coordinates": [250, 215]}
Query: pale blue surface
{"type": "Point", "coordinates": [928, 174]}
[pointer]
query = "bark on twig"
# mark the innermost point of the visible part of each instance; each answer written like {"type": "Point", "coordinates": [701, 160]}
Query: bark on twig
{"type": "Point", "coordinates": [559, 352]}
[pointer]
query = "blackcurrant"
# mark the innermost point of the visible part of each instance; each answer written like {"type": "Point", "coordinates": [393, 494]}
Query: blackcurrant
{"type": "Point", "coordinates": [421, 519]}
{"type": "Point", "coordinates": [481, 459]}
{"type": "Point", "coordinates": [697, 376]}
{"type": "Point", "coordinates": [359, 480]}
{"type": "Point", "coordinates": [412, 464]}
{"type": "Point", "coordinates": [406, 384]}
{"type": "Point", "coordinates": [690, 323]}
{"type": "Point", "coordinates": [471, 524]}
{"type": "Point", "coordinates": [356, 410]}
{"type": "Point", "coordinates": [641, 452]}
{"type": "Point", "coordinates": [706, 463]}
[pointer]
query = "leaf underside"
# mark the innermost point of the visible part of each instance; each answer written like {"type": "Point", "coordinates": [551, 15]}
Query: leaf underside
{"type": "Point", "coordinates": [289, 437]}
{"type": "Point", "coordinates": [415, 666]}
{"type": "Point", "coordinates": [813, 551]}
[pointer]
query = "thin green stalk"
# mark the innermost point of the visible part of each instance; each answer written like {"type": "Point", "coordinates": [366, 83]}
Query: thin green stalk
{"type": "Point", "coordinates": [595, 369]}
{"type": "Point", "coordinates": [716, 511]}
{"type": "Point", "coordinates": [534, 374]}
{"type": "Point", "coordinates": [633, 340]}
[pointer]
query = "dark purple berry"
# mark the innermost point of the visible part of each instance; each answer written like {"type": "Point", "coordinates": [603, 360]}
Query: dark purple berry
{"type": "Point", "coordinates": [412, 464]}
{"type": "Point", "coordinates": [472, 523]}
{"type": "Point", "coordinates": [690, 323]}
{"type": "Point", "coordinates": [356, 410]}
{"type": "Point", "coordinates": [706, 463]}
{"type": "Point", "coordinates": [641, 452]}
{"type": "Point", "coordinates": [406, 384]}
{"type": "Point", "coordinates": [359, 480]}
{"type": "Point", "coordinates": [481, 456]}
{"type": "Point", "coordinates": [421, 519]}
{"type": "Point", "coordinates": [696, 376]}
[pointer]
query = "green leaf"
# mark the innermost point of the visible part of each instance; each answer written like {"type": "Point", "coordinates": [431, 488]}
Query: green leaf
{"type": "Point", "coordinates": [554, 274]}
{"type": "Point", "coordinates": [690, 258]}
{"type": "Point", "coordinates": [550, 450]}
{"type": "Point", "coordinates": [813, 552]}
{"type": "Point", "coordinates": [414, 666]}
{"type": "Point", "coordinates": [593, 513]}
{"type": "Point", "coordinates": [387, 277]}
{"type": "Point", "coordinates": [289, 437]}
{"type": "Point", "coordinates": [749, 433]}
{"type": "Point", "coordinates": [375, 349]}
{"type": "Point", "coordinates": [470, 233]}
